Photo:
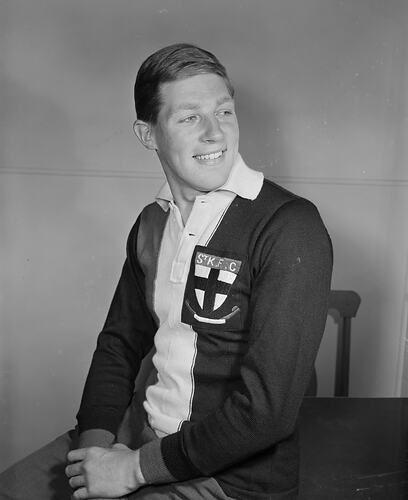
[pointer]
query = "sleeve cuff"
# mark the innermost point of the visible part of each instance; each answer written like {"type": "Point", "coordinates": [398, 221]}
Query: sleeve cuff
{"type": "Point", "coordinates": [96, 437]}
{"type": "Point", "coordinates": [152, 464]}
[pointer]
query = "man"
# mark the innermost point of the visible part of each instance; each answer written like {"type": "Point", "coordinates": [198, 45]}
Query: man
{"type": "Point", "coordinates": [226, 278]}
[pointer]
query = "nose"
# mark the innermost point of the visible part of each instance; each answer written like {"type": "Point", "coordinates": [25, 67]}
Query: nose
{"type": "Point", "coordinates": [212, 131]}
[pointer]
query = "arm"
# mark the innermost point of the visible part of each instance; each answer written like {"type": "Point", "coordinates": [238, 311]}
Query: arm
{"type": "Point", "coordinates": [126, 338]}
{"type": "Point", "coordinates": [291, 268]}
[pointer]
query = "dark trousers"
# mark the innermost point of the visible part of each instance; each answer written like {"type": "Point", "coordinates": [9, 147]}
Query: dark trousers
{"type": "Point", "coordinates": [41, 475]}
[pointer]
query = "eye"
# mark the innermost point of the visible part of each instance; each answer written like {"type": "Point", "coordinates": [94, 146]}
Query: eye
{"type": "Point", "coordinates": [189, 119]}
{"type": "Point", "coordinates": [225, 113]}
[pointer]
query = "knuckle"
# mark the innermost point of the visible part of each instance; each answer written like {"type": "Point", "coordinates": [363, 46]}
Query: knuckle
{"type": "Point", "coordinates": [86, 469]}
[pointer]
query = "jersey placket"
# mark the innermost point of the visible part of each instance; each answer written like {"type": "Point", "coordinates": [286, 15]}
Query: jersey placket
{"type": "Point", "coordinates": [169, 400]}
{"type": "Point", "coordinates": [190, 236]}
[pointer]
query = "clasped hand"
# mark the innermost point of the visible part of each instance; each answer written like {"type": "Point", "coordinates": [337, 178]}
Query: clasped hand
{"type": "Point", "coordinates": [104, 472]}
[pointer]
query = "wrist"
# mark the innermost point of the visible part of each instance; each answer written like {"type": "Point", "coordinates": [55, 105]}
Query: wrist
{"type": "Point", "coordinates": [96, 437]}
{"type": "Point", "coordinates": [141, 481]}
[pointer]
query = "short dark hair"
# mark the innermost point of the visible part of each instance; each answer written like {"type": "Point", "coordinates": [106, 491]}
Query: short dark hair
{"type": "Point", "coordinates": [174, 62]}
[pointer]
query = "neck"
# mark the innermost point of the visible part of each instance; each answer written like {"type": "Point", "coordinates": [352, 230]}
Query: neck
{"type": "Point", "coordinates": [184, 198]}
{"type": "Point", "coordinates": [185, 207]}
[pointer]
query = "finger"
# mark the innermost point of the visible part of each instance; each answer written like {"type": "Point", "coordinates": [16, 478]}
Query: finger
{"type": "Point", "coordinates": [76, 455]}
{"type": "Point", "coordinates": [77, 481]}
{"type": "Point", "coordinates": [80, 494]}
{"type": "Point", "coordinates": [73, 469]}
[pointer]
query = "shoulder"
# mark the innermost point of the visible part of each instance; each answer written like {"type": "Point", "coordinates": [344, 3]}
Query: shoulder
{"type": "Point", "coordinates": [150, 217]}
{"type": "Point", "coordinates": [152, 213]}
{"type": "Point", "coordinates": [290, 218]}
{"type": "Point", "coordinates": [276, 205]}
{"type": "Point", "coordinates": [273, 197]}
{"type": "Point", "coordinates": [147, 231]}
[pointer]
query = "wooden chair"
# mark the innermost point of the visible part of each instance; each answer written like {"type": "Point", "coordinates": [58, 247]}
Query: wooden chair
{"type": "Point", "coordinates": [343, 305]}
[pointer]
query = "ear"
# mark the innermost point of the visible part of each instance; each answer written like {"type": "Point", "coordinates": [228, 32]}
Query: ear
{"type": "Point", "coordinates": [144, 133]}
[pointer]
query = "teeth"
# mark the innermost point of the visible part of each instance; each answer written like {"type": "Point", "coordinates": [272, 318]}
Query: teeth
{"type": "Point", "coordinates": [212, 156]}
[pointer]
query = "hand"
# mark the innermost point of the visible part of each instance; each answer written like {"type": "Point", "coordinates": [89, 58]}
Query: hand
{"type": "Point", "coordinates": [104, 473]}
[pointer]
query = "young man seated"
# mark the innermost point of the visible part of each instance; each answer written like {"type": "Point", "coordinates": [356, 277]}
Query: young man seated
{"type": "Point", "coordinates": [226, 278]}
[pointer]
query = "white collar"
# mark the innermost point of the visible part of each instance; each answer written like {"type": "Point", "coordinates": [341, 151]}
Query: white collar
{"type": "Point", "coordinates": [243, 181]}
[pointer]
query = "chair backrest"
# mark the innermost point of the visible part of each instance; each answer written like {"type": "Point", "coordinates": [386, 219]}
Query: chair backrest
{"type": "Point", "coordinates": [343, 305]}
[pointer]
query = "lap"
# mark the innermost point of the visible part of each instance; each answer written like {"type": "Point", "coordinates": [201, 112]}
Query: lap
{"type": "Point", "coordinates": [196, 489]}
{"type": "Point", "coordinates": [41, 476]}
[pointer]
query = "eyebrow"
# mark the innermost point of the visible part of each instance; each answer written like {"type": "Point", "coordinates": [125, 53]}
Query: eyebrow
{"type": "Point", "coordinates": [190, 106]}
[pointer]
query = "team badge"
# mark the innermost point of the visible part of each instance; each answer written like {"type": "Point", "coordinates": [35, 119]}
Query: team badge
{"type": "Point", "coordinates": [213, 278]}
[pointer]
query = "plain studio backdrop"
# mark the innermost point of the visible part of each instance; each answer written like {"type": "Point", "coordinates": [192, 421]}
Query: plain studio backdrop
{"type": "Point", "coordinates": [322, 98]}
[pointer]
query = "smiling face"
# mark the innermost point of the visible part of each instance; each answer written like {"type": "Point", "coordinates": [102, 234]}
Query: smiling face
{"type": "Point", "coordinates": [196, 134]}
